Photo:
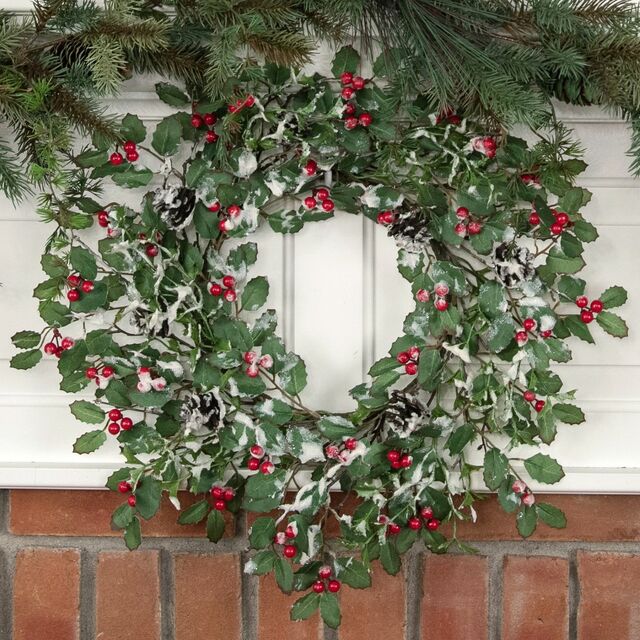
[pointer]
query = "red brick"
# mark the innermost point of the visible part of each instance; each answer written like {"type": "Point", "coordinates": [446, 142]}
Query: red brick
{"type": "Point", "coordinates": [609, 587]}
{"type": "Point", "coordinates": [207, 595]}
{"type": "Point", "coordinates": [128, 596]}
{"type": "Point", "coordinates": [454, 605]}
{"type": "Point", "coordinates": [377, 613]}
{"type": "Point", "coordinates": [46, 599]}
{"type": "Point", "coordinates": [274, 622]}
{"type": "Point", "coordinates": [88, 513]}
{"type": "Point", "coordinates": [535, 598]}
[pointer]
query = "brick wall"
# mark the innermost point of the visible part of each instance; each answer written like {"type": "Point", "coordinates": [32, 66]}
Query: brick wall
{"type": "Point", "coordinates": [64, 576]}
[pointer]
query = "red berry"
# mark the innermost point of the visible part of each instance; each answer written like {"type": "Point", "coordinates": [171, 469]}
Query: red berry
{"type": "Point", "coordinates": [253, 464]}
{"type": "Point", "coordinates": [529, 395]}
{"type": "Point", "coordinates": [385, 217]}
{"type": "Point", "coordinates": [393, 529]}
{"type": "Point", "coordinates": [310, 202]}
{"type": "Point", "coordinates": [539, 405]}
{"type": "Point", "coordinates": [529, 324]}
{"type": "Point", "coordinates": [441, 304]}
{"type": "Point", "coordinates": [562, 218]}
{"type": "Point", "coordinates": [126, 424]}
{"type": "Point", "coordinates": [226, 225]}
{"type": "Point", "coordinates": [521, 337]}
{"type": "Point", "coordinates": [311, 167]}
{"type": "Point", "coordinates": [422, 295]}
{"type": "Point", "coordinates": [349, 109]}
{"type": "Point", "coordinates": [289, 551]}
{"type": "Point", "coordinates": [217, 492]}
{"type": "Point", "coordinates": [318, 586]}
{"type": "Point", "coordinates": [73, 295]}
{"type": "Point", "coordinates": [393, 455]}
{"type": "Point", "coordinates": [132, 501]}
{"type": "Point", "coordinates": [103, 218]}
{"type": "Point", "coordinates": [441, 289]}
{"type": "Point", "coordinates": [87, 286]}
{"type": "Point", "coordinates": [322, 193]}
{"type": "Point", "coordinates": [132, 156]}
{"type": "Point", "coordinates": [414, 353]}
{"type": "Point", "coordinates": [358, 82]}
{"type": "Point", "coordinates": [534, 219]}
{"type": "Point", "coordinates": [556, 228]}
{"type": "Point", "coordinates": [433, 524]}
{"type": "Point", "coordinates": [582, 302]}
{"type": "Point", "coordinates": [129, 146]}
{"type": "Point", "coordinates": [328, 205]}
{"type": "Point", "coordinates": [351, 122]}
{"type": "Point", "coordinates": [252, 371]}
{"type": "Point", "coordinates": [219, 505]}
{"type": "Point", "coordinates": [74, 280]}
{"type": "Point", "coordinates": [403, 357]}
{"type": "Point", "coordinates": [347, 93]}
{"type": "Point", "coordinates": [596, 306]}
{"type": "Point", "coordinates": [115, 415]}
{"type": "Point", "coordinates": [151, 250]}
{"type": "Point", "coordinates": [290, 533]}
{"type": "Point", "coordinates": [489, 144]}
{"type": "Point", "coordinates": [460, 229]}
{"type": "Point", "coordinates": [334, 586]}
{"type": "Point", "coordinates": [124, 487]}
{"type": "Point", "coordinates": [228, 282]}
{"type": "Point", "coordinates": [249, 357]}
{"type": "Point", "coordinates": [107, 371]}
{"type": "Point", "coordinates": [474, 228]}
{"type": "Point", "coordinates": [414, 523]}
{"type": "Point", "coordinates": [324, 573]}
{"type": "Point", "coordinates": [114, 428]}
{"type": "Point", "coordinates": [365, 119]}
{"type": "Point", "coordinates": [50, 348]}
{"type": "Point", "coordinates": [346, 77]}
{"type": "Point", "coordinates": [91, 373]}
{"type": "Point", "coordinates": [215, 289]}
{"type": "Point", "coordinates": [350, 444]}
{"type": "Point", "coordinates": [249, 101]}
{"type": "Point", "coordinates": [586, 316]}
{"type": "Point", "coordinates": [267, 467]}
{"type": "Point", "coordinates": [116, 158]}
{"type": "Point", "coordinates": [462, 213]}
{"type": "Point", "coordinates": [546, 334]}
{"type": "Point", "coordinates": [196, 120]}
{"type": "Point", "coordinates": [211, 136]}
{"type": "Point", "coordinates": [230, 295]}
{"type": "Point", "coordinates": [215, 207]}
{"type": "Point", "coordinates": [426, 513]}
{"type": "Point", "coordinates": [411, 368]}
{"type": "Point", "coordinates": [234, 210]}
{"type": "Point", "coordinates": [210, 119]}
{"type": "Point", "coordinates": [406, 461]}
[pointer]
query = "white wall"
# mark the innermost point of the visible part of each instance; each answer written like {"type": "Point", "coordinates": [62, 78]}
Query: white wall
{"type": "Point", "coordinates": [341, 302]}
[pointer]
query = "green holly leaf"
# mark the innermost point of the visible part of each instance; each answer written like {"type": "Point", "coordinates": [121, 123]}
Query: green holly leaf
{"type": "Point", "coordinates": [430, 369]}
{"type": "Point", "coordinates": [90, 441]}
{"type": "Point", "coordinates": [215, 525]}
{"type": "Point", "coordinates": [197, 512]}
{"type": "Point", "coordinates": [614, 297]}
{"type": "Point", "coordinates": [171, 95]}
{"type": "Point", "coordinates": [148, 494]}
{"type": "Point", "coordinates": [284, 575]}
{"type": "Point", "coordinates": [305, 607]}
{"type": "Point", "coordinates": [166, 137]}
{"type": "Point", "coordinates": [547, 424]}
{"type": "Point", "coordinates": [526, 521]}
{"type": "Point", "coordinates": [262, 532]}
{"type": "Point", "coordinates": [26, 359]}
{"type": "Point", "coordinates": [132, 178]}
{"type": "Point", "coordinates": [353, 573]}
{"type": "Point", "coordinates": [133, 535]}
{"type": "Point", "coordinates": [25, 339]}
{"type": "Point", "coordinates": [495, 468]}
{"type": "Point", "coordinates": [460, 438]}
{"type": "Point", "coordinates": [568, 413]}
{"type": "Point", "coordinates": [255, 293]}
{"type": "Point", "coordinates": [544, 468]}
{"type": "Point", "coordinates": [346, 59]}
{"type": "Point", "coordinates": [613, 324]}
{"type": "Point", "coordinates": [122, 517]}
{"type": "Point", "coordinates": [390, 558]}
{"type": "Point", "coordinates": [551, 515]}
{"type": "Point", "coordinates": [330, 609]}
{"type": "Point", "coordinates": [87, 412]}
{"type": "Point", "coordinates": [491, 298]}
{"type": "Point", "coordinates": [133, 129]}
{"type": "Point", "coordinates": [336, 427]}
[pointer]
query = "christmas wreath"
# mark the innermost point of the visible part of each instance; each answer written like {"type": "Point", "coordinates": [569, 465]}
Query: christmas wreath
{"type": "Point", "coordinates": [192, 379]}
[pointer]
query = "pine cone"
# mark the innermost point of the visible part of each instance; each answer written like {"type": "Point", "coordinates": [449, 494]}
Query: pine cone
{"type": "Point", "coordinates": [512, 264]}
{"type": "Point", "coordinates": [202, 413]}
{"type": "Point", "coordinates": [175, 205]}
{"type": "Point", "coordinates": [404, 414]}
{"type": "Point", "coordinates": [409, 229]}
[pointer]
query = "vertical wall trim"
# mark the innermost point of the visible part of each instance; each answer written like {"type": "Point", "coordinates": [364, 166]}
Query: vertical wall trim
{"type": "Point", "coordinates": [289, 291]}
{"type": "Point", "coordinates": [368, 295]}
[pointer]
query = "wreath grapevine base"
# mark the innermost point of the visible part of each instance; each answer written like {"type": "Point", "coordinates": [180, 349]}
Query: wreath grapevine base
{"type": "Point", "coordinates": [193, 381]}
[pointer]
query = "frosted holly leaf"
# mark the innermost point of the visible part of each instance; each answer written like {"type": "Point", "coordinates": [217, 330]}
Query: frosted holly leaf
{"type": "Point", "coordinates": [243, 163]}
{"type": "Point", "coordinates": [305, 445]}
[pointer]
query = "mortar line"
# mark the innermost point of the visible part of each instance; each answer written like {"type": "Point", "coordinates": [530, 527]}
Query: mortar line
{"type": "Point", "coordinates": [574, 595]}
{"type": "Point", "coordinates": [4, 510]}
{"type": "Point", "coordinates": [88, 566]}
{"type": "Point", "coordinates": [413, 593]}
{"type": "Point", "coordinates": [249, 586]}
{"type": "Point", "coordinates": [495, 595]}
{"type": "Point", "coordinates": [167, 595]}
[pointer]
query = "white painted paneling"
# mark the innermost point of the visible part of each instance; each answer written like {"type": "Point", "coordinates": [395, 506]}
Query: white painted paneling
{"type": "Point", "coordinates": [341, 302]}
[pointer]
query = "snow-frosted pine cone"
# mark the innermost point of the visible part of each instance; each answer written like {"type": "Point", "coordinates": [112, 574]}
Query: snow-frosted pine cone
{"type": "Point", "coordinates": [512, 264]}
{"type": "Point", "coordinates": [404, 414]}
{"type": "Point", "coordinates": [202, 413]}
{"type": "Point", "coordinates": [409, 229]}
{"type": "Point", "coordinates": [175, 205]}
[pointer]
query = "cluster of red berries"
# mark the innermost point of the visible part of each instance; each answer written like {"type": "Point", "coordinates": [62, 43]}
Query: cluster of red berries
{"type": "Point", "coordinates": [337, 452]}
{"type": "Point", "coordinates": [448, 116]}
{"type": "Point", "coordinates": [93, 373]}
{"type": "Point", "coordinates": [58, 345]}
{"type": "Point", "coordinates": [225, 288]}
{"type": "Point", "coordinates": [521, 489]}
{"type": "Point", "coordinates": [386, 217]}
{"type": "Point", "coordinates": [321, 194]}
{"type": "Point", "coordinates": [117, 422]}
{"type": "Point", "coordinates": [221, 496]}
{"type": "Point", "coordinates": [562, 221]}
{"type": "Point", "coordinates": [285, 540]}
{"type": "Point", "coordinates": [131, 151]}
{"type": "Point", "coordinates": [425, 518]}
{"type": "Point", "coordinates": [530, 397]}
{"type": "Point", "coordinates": [485, 145]}
{"type": "Point", "coordinates": [409, 359]}
{"type": "Point", "coordinates": [350, 85]}
{"type": "Point", "coordinates": [528, 327]}
{"type": "Point", "coordinates": [399, 460]}
{"type": "Point", "coordinates": [467, 225]}
{"type": "Point", "coordinates": [325, 582]}
{"type": "Point", "coordinates": [78, 286]}
{"type": "Point", "coordinates": [227, 217]}
{"type": "Point", "coordinates": [240, 103]}
{"type": "Point", "coordinates": [529, 179]}
{"type": "Point", "coordinates": [588, 311]}
{"type": "Point", "coordinates": [125, 487]}
{"type": "Point", "coordinates": [256, 362]}
{"type": "Point", "coordinates": [259, 460]}
{"type": "Point", "coordinates": [208, 119]}
{"type": "Point", "coordinates": [441, 291]}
